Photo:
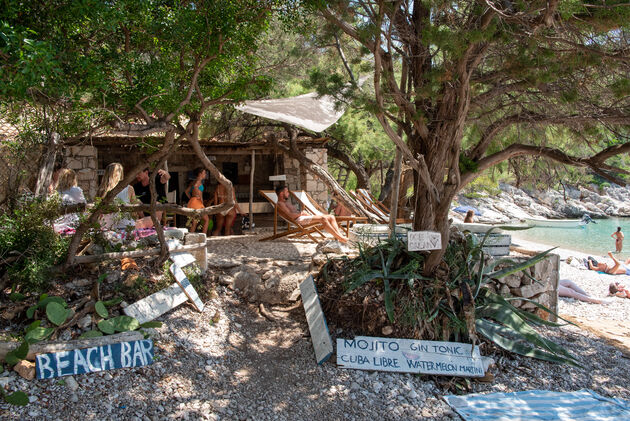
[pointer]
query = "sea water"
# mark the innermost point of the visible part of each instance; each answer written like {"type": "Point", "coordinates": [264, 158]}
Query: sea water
{"type": "Point", "coordinates": [593, 238]}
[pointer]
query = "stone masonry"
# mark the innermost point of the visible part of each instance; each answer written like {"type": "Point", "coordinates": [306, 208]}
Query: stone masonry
{"type": "Point", "coordinates": [83, 160]}
{"type": "Point", "coordinates": [298, 178]}
{"type": "Point", "coordinates": [539, 283]}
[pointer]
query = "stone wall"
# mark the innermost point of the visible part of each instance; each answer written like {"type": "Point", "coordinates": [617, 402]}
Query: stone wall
{"type": "Point", "coordinates": [543, 291]}
{"type": "Point", "coordinates": [83, 160]}
{"type": "Point", "coordinates": [298, 178]}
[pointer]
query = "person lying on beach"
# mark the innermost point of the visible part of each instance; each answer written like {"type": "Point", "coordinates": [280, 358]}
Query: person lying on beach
{"type": "Point", "coordinates": [618, 290]}
{"type": "Point", "coordinates": [617, 268]}
{"type": "Point", "coordinates": [568, 289]}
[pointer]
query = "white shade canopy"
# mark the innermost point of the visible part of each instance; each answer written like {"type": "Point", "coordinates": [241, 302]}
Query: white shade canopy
{"type": "Point", "coordinates": [308, 111]}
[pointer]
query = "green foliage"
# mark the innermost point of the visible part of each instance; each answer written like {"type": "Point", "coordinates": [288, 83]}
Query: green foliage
{"type": "Point", "coordinates": [18, 398]}
{"type": "Point", "coordinates": [56, 313]}
{"type": "Point", "coordinates": [455, 304]}
{"type": "Point", "coordinates": [28, 244]}
{"type": "Point", "coordinates": [19, 353]}
{"type": "Point", "coordinates": [101, 310]}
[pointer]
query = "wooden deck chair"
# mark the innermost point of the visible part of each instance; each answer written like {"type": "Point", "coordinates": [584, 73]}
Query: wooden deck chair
{"type": "Point", "coordinates": [294, 229]}
{"type": "Point", "coordinates": [374, 215]}
{"type": "Point", "coordinates": [378, 207]}
{"type": "Point", "coordinates": [308, 204]}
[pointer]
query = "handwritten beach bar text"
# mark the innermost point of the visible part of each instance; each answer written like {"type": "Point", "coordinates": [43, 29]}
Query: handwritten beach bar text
{"type": "Point", "coordinates": [410, 356]}
{"type": "Point", "coordinates": [98, 358]}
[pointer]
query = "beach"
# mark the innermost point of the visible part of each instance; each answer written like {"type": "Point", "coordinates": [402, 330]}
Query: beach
{"type": "Point", "coordinates": [596, 284]}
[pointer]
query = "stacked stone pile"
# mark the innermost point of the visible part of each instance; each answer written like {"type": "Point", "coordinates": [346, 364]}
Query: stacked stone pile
{"type": "Point", "coordinates": [538, 283]}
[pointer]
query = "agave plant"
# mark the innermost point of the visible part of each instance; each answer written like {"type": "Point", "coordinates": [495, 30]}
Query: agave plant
{"type": "Point", "coordinates": [456, 303]}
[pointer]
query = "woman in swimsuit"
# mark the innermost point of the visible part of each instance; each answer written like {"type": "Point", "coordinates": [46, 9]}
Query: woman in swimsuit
{"type": "Point", "coordinates": [618, 236]}
{"type": "Point", "coordinates": [617, 289]}
{"type": "Point", "coordinates": [195, 191]}
{"type": "Point", "coordinates": [617, 268]}
{"type": "Point", "coordinates": [227, 216]}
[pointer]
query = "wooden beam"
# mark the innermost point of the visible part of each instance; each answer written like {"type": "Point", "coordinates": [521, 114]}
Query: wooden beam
{"type": "Point", "coordinates": [136, 253]}
{"type": "Point", "coordinates": [58, 346]}
{"type": "Point", "coordinates": [251, 191]}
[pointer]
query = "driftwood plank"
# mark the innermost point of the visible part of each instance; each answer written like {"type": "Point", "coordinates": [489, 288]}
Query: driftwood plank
{"type": "Point", "coordinates": [322, 343]}
{"type": "Point", "coordinates": [156, 304]}
{"type": "Point", "coordinates": [135, 253]}
{"type": "Point", "coordinates": [57, 346]}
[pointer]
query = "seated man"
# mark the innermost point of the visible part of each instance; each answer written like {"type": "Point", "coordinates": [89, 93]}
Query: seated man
{"type": "Point", "coordinates": [288, 210]}
{"type": "Point", "coordinates": [617, 268]}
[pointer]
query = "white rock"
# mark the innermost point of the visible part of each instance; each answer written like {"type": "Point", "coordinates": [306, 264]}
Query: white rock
{"type": "Point", "coordinates": [71, 383]}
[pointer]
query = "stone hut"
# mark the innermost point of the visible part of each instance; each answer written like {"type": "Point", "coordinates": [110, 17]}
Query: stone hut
{"type": "Point", "coordinates": [233, 159]}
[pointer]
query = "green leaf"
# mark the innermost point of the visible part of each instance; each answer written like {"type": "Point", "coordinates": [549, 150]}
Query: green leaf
{"type": "Point", "coordinates": [125, 323]}
{"type": "Point", "coordinates": [16, 296]}
{"type": "Point", "coordinates": [507, 315]}
{"type": "Point", "coordinates": [33, 325]}
{"type": "Point", "coordinates": [18, 398]}
{"type": "Point", "coordinates": [152, 324]}
{"type": "Point", "coordinates": [499, 335]}
{"type": "Point", "coordinates": [389, 303]}
{"type": "Point", "coordinates": [107, 327]}
{"type": "Point", "coordinates": [43, 303]}
{"type": "Point", "coordinates": [521, 266]}
{"type": "Point", "coordinates": [31, 312]}
{"type": "Point", "coordinates": [100, 309]}
{"type": "Point", "coordinates": [38, 334]}
{"type": "Point", "coordinates": [19, 353]}
{"type": "Point", "coordinates": [362, 279]}
{"type": "Point", "coordinates": [91, 334]}
{"type": "Point", "coordinates": [101, 277]}
{"type": "Point", "coordinates": [56, 313]}
{"type": "Point", "coordinates": [113, 302]}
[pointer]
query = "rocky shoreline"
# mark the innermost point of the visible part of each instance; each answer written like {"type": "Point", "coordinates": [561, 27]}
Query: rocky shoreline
{"type": "Point", "coordinates": [513, 204]}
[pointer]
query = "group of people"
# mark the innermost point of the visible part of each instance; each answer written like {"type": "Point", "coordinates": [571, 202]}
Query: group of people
{"type": "Point", "coordinates": [65, 182]}
{"type": "Point", "coordinates": [193, 197]}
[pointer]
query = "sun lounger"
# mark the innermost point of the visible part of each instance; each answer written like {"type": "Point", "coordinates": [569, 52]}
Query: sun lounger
{"type": "Point", "coordinates": [294, 229]}
{"type": "Point", "coordinates": [377, 208]}
{"type": "Point", "coordinates": [309, 205]}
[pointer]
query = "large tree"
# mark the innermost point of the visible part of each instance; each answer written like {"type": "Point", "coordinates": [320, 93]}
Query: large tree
{"type": "Point", "coordinates": [443, 69]}
{"type": "Point", "coordinates": [141, 68]}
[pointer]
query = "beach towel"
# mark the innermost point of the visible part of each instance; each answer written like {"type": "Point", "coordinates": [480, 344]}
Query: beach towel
{"type": "Point", "coordinates": [539, 405]}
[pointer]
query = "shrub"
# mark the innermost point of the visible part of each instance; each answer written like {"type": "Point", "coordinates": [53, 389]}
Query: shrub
{"type": "Point", "coordinates": [29, 247]}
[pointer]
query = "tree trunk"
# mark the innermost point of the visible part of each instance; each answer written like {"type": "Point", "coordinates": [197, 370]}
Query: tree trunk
{"type": "Point", "coordinates": [109, 197]}
{"type": "Point", "coordinates": [363, 178]}
{"type": "Point", "coordinates": [352, 205]}
{"type": "Point", "coordinates": [47, 165]}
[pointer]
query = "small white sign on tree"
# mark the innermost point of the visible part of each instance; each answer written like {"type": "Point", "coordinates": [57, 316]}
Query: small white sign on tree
{"type": "Point", "coordinates": [424, 240]}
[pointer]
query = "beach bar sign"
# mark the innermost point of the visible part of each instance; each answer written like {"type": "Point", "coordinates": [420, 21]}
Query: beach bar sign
{"type": "Point", "coordinates": [411, 356]}
{"type": "Point", "coordinates": [424, 240]}
{"type": "Point", "coordinates": [98, 358]}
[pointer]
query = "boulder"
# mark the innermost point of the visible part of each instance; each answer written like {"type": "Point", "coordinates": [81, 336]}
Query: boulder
{"type": "Point", "coordinates": [26, 369]}
{"type": "Point", "coordinates": [277, 287]}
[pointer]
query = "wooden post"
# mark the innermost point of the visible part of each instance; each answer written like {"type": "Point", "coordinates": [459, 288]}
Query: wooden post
{"type": "Point", "coordinates": [394, 208]}
{"type": "Point", "coordinates": [251, 191]}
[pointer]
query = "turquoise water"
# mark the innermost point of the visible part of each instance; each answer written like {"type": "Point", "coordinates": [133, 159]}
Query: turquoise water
{"type": "Point", "coordinates": [593, 238]}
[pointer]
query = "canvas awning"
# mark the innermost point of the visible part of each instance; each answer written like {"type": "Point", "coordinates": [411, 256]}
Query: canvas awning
{"type": "Point", "coordinates": [308, 111]}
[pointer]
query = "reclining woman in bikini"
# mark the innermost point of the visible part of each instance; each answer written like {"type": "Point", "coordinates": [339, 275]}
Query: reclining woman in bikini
{"type": "Point", "coordinates": [617, 269]}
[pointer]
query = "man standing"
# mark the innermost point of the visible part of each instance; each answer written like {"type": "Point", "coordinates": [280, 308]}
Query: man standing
{"type": "Point", "coordinates": [142, 187]}
{"type": "Point", "coordinates": [288, 210]}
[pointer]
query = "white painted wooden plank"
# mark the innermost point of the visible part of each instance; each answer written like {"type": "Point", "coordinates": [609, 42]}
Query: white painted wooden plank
{"type": "Point", "coordinates": [156, 304]}
{"type": "Point", "coordinates": [281, 177]}
{"type": "Point", "coordinates": [182, 259]}
{"type": "Point", "coordinates": [322, 342]}
{"type": "Point", "coordinates": [424, 240]}
{"type": "Point", "coordinates": [411, 356]}
{"type": "Point", "coordinates": [186, 286]}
